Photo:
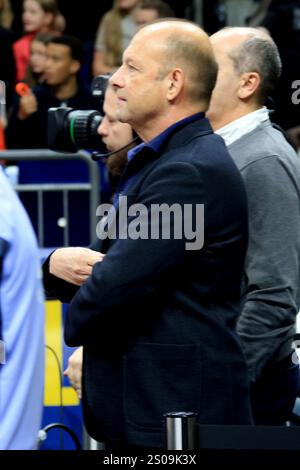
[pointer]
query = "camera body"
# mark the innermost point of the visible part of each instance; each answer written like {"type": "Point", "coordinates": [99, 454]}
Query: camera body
{"type": "Point", "coordinates": [69, 129]}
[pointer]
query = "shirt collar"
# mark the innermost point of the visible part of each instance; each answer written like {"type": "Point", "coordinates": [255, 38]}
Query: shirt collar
{"type": "Point", "coordinates": [156, 144]}
{"type": "Point", "coordinates": [242, 126]}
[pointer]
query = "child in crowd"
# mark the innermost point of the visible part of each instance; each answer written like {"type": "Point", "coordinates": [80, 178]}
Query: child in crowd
{"type": "Point", "coordinates": [37, 60]}
{"type": "Point", "coordinates": [38, 16]}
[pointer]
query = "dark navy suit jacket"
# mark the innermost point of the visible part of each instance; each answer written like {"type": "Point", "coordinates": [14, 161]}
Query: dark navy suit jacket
{"type": "Point", "coordinates": [158, 321]}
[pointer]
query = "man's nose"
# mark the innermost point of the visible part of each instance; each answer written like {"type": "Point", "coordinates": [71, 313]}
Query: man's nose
{"type": "Point", "coordinates": [102, 130]}
{"type": "Point", "coordinates": [116, 79]}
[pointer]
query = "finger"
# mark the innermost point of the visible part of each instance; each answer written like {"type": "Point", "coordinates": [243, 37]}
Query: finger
{"type": "Point", "coordinates": [95, 258]}
{"type": "Point", "coordinates": [79, 280]}
{"type": "Point", "coordinates": [83, 271]}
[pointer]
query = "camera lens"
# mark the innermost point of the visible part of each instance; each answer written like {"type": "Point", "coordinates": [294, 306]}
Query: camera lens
{"type": "Point", "coordinates": [70, 130]}
{"type": "Point", "coordinates": [83, 127]}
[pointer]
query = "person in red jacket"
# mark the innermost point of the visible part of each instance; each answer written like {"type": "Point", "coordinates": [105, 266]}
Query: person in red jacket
{"type": "Point", "coordinates": [38, 16]}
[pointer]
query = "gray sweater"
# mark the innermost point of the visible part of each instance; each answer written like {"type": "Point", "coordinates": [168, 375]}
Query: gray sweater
{"type": "Point", "coordinates": [271, 294]}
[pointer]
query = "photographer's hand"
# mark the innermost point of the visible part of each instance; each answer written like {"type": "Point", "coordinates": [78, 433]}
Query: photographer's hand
{"type": "Point", "coordinates": [27, 106]}
{"type": "Point", "coordinates": [74, 265]}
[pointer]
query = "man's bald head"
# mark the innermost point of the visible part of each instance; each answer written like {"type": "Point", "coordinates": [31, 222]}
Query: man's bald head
{"type": "Point", "coordinates": [251, 50]}
{"type": "Point", "coordinates": [241, 33]}
{"type": "Point", "coordinates": [183, 44]}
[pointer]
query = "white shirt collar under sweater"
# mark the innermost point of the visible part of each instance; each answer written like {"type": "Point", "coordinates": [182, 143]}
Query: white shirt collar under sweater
{"type": "Point", "coordinates": [236, 129]}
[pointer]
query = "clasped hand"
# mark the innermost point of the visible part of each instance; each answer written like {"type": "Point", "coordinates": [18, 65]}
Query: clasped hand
{"type": "Point", "coordinates": [74, 264]}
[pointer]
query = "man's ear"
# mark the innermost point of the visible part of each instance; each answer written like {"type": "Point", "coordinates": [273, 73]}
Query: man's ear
{"type": "Point", "coordinates": [75, 67]}
{"type": "Point", "coordinates": [175, 84]}
{"type": "Point", "coordinates": [249, 84]}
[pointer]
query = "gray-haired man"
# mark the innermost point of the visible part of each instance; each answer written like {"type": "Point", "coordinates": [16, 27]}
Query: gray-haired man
{"type": "Point", "coordinates": [249, 66]}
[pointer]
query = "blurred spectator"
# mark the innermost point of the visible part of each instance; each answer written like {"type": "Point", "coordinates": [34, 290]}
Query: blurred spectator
{"type": "Point", "coordinates": [38, 16]}
{"type": "Point", "coordinates": [6, 14]}
{"type": "Point", "coordinates": [27, 127]}
{"type": "Point", "coordinates": [38, 55]}
{"type": "Point", "coordinates": [7, 62]}
{"type": "Point", "coordinates": [21, 326]}
{"type": "Point", "coordinates": [283, 22]}
{"type": "Point", "coordinates": [150, 10]}
{"type": "Point", "coordinates": [59, 23]}
{"type": "Point", "coordinates": [114, 34]}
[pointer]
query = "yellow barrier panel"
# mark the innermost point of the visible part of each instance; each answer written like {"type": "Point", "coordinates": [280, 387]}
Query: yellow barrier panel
{"type": "Point", "coordinates": [53, 338]}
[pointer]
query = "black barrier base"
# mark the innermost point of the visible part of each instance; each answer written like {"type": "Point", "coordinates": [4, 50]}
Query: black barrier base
{"type": "Point", "coordinates": [273, 438]}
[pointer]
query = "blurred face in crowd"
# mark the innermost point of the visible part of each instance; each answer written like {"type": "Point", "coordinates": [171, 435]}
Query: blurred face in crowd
{"type": "Point", "coordinates": [38, 56]}
{"type": "Point", "coordinates": [114, 134]}
{"type": "Point", "coordinates": [60, 65]}
{"type": "Point", "coordinates": [145, 15]}
{"type": "Point", "coordinates": [34, 17]}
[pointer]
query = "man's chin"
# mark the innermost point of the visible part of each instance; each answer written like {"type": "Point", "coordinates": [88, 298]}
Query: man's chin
{"type": "Point", "coordinates": [122, 115]}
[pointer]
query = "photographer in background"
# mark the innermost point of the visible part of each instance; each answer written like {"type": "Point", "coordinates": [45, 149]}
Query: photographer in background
{"type": "Point", "coordinates": [115, 135]}
{"type": "Point", "coordinates": [75, 264]}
